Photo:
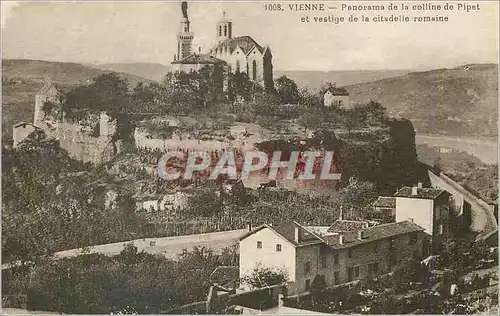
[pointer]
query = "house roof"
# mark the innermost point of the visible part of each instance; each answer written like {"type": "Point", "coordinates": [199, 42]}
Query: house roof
{"type": "Point", "coordinates": [422, 193]}
{"type": "Point", "coordinates": [381, 232]}
{"type": "Point", "coordinates": [287, 231]}
{"type": "Point", "coordinates": [385, 201]}
{"type": "Point", "coordinates": [246, 43]}
{"type": "Point", "coordinates": [337, 91]}
{"type": "Point", "coordinates": [205, 59]}
{"type": "Point", "coordinates": [23, 124]}
{"type": "Point", "coordinates": [342, 225]}
{"type": "Point", "coordinates": [224, 274]}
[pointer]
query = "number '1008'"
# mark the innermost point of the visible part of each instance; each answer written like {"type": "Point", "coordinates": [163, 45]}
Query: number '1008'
{"type": "Point", "coordinates": [272, 7]}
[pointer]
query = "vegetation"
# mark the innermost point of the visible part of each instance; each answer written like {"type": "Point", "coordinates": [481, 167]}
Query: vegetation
{"type": "Point", "coordinates": [264, 276]}
{"type": "Point", "coordinates": [131, 281]}
{"type": "Point", "coordinates": [478, 177]}
{"type": "Point", "coordinates": [50, 203]}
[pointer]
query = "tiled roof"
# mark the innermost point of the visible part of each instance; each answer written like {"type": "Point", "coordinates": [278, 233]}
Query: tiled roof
{"type": "Point", "coordinates": [246, 43]}
{"type": "Point", "coordinates": [422, 193]}
{"type": "Point", "coordinates": [382, 232]}
{"type": "Point", "coordinates": [287, 230]}
{"type": "Point", "coordinates": [199, 59]}
{"type": "Point", "coordinates": [385, 201]}
{"type": "Point", "coordinates": [224, 274]}
{"type": "Point", "coordinates": [343, 225]}
{"type": "Point", "coordinates": [337, 91]}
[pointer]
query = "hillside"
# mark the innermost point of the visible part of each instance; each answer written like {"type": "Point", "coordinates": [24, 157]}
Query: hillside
{"type": "Point", "coordinates": [456, 101]}
{"type": "Point", "coordinates": [151, 71]}
{"type": "Point", "coordinates": [68, 73]}
{"type": "Point", "coordinates": [314, 80]}
{"type": "Point", "coordinates": [22, 79]}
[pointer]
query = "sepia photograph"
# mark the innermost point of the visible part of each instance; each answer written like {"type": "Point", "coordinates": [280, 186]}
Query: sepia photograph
{"type": "Point", "coordinates": [249, 157]}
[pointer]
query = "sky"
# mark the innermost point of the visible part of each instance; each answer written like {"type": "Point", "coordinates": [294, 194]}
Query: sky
{"type": "Point", "coordinates": [118, 32]}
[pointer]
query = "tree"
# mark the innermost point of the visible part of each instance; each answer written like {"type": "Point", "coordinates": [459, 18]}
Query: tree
{"type": "Point", "coordinates": [310, 119]}
{"type": "Point", "coordinates": [287, 90]}
{"type": "Point", "coordinates": [107, 92]}
{"type": "Point", "coordinates": [264, 276]}
{"type": "Point", "coordinates": [308, 99]}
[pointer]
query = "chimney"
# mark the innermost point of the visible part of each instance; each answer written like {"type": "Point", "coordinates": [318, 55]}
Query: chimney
{"type": "Point", "coordinates": [341, 239]}
{"type": "Point", "coordinates": [296, 234]}
{"type": "Point", "coordinates": [414, 191]}
{"type": "Point", "coordinates": [249, 226]}
{"type": "Point", "coordinates": [360, 235]}
{"type": "Point", "coordinates": [281, 298]}
{"type": "Point", "coordinates": [419, 185]}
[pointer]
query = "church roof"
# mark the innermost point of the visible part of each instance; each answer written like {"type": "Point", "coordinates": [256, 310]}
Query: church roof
{"type": "Point", "coordinates": [199, 59]}
{"type": "Point", "coordinates": [246, 43]}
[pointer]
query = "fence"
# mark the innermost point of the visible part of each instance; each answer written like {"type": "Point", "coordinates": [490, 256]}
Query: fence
{"type": "Point", "coordinates": [170, 229]}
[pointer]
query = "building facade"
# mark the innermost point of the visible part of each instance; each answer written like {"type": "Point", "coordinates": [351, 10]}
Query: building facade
{"type": "Point", "coordinates": [334, 96]}
{"type": "Point", "coordinates": [338, 257]}
{"type": "Point", "coordinates": [21, 131]}
{"type": "Point", "coordinates": [428, 208]}
{"type": "Point", "coordinates": [48, 93]}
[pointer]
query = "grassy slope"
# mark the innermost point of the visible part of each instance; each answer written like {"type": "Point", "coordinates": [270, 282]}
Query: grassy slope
{"type": "Point", "coordinates": [444, 101]}
{"type": "Point", "coordinates": [18, 99]}
{"type": "Point", "coordinates": [314, 80]}
{"type": "Point", "coordinates": [152, 71]}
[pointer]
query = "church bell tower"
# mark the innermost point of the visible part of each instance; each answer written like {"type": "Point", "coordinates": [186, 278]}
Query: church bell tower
{"type": "Point", "coordinates": [185, 36]}
{"type": "Point", "coordinates": [224, 29]}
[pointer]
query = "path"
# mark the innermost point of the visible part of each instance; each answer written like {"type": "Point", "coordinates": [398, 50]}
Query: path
{"type": "Point", "coordinates": [483, 218]}
{"type": "Point", "coordinates": [170, 247]}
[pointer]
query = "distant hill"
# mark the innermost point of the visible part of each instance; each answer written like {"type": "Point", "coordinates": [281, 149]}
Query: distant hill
{"type": "Point", "coordinates": [151, 71]}
{"type": "Point", "coordinates": [314, 80]}
{"type": "Point", "coordinates": [22, 79]}
{"type": "Point", "coordinates": [459, 101]}
{"type": "Point", "coordinates": [68, 73]}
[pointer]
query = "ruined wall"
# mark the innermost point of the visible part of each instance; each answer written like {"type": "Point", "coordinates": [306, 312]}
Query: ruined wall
{"type": "Point", "coordinates": [144, 139]}
{"type": "Point", "coordinates": [81, 143]}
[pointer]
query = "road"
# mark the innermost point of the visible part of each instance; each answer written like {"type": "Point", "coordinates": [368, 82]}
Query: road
{"type": "Point", "coordinates": [484, 149]}
{"type": "Point", "coordinates": [170, 247]}
{"type": "Point", "coordinates": [483, 218]}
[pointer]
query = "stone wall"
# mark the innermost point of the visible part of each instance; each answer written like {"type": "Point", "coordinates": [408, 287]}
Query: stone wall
{"type": "Point", "coordinates": [80, 142]}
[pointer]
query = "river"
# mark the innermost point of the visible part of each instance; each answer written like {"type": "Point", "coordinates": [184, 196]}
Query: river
{"type": "Point", "coordinates": [484, 149]}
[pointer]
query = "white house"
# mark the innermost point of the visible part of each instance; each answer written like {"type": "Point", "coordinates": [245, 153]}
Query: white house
{"type": "Point", "coordinates": [334, 96]}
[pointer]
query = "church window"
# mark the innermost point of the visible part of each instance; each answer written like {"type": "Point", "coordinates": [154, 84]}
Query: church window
{"type": "Point", "coordinates": [220, 30]}
{"type": "Point", "coordinates": [254, 70]}
{"type": "Point", "coordinates": [225, 30]}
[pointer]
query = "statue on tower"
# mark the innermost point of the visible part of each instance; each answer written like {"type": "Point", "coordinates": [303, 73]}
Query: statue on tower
{"type": "Point", "coordinates": [184, 9]}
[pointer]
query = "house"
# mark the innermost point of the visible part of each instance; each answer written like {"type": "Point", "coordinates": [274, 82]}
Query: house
{"type": "Point", "coordinates": [385, 208]}
{"type": "Point", "coordinates": [354, 252]}
{"type": "Point", "coordinates": [20, 131]}
{"type": "Point", "coordinates": [428, 208]}
{"type": "Point", "coordinates": [333, 96]}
